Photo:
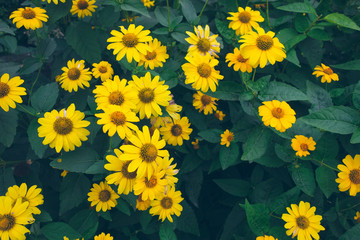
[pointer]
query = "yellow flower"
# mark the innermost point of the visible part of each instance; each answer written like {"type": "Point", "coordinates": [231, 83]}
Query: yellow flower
{"type": "Point", "coordinates": [103, 70]}
{"type": "Point", "coordinates": [172, 110]}
{"type": "Point", "coordinates": [102, 236]}
{"type": "Point", "coordinates": [115, 92]}
{"type": "Point", "coordinates": [238, 61]}
{"type": "Point", "coordinates": [265, 237]}
{"type": "Point", "coordinates": [145, 153]}
{"type": "Point", "coordinates": [167, 204]}
{"type": "Point", "coordinates": [219, 115]}
{"type": "Point", "coordinates": [13, 217]}
{"type": "Point", "coordinates": [226, 138]}
{"type": "Point", "coordinates": [10, 91]}
{"type": "Point", "coordinates": [170, 171]}
{"type": "Point", "coordinates": [357, 217]}
{"type": "Point", "coordinates": [83, 8]}
{"type": "Point", "coordinates": [55, 1]}
{"type": "Point", "coordinates": [200, 71]}
{"type": "Point", "coordinates": [129, 19]}
{"type": "Point", "coordinates": [195, 144]}
{"type": "Point", "coordinates": [64, 173]}
{"type": "Point", "coordinates": [66, 238]}
{"type": "Point", "coordinates": [302, 221]}
{"type": "Point", "coordinates": [131, 41]}
{"type": "Point", "coordinates": [64, 129]}
{"type": "Point", "coordinates": [326, 73]}
{"type": "Point", "coordinates": [260, 47]}
{"type": "Point", "coordinates": [349, 177]}
{"type": "Point", "coordinates": [244, 20]}
{"type": "Point", "coordinates": [150, 94]}
{"type": "Point", "coordinates": [102, 196]}
{"type": "Point", "coordinates": [204, 103]}
{"type": "Point", "coordinates": [32, 195]}
{"type": "Point", "coordinates": [302, 145]}
{"type": "Point", "coordinates": [155, 56]}
{"type": "Point", "coordinates": [175, 131]}
{"type": "Point", "coordinates": [150, 187]}
{"type": "Point", "coordinates": [278, 115]}
{"type": "Point", "coordinates": [148, 3]}
{"type": "Point", "coordinates": [29, 17]}
{"type": "Point", "coordinates": [75, 75]}
{"type": "Point", "coordinates": [202, 43]}
{"type": "Point", "coordinates": [142, 205]}
{"type": "Point", "coordinates": [122, 177]}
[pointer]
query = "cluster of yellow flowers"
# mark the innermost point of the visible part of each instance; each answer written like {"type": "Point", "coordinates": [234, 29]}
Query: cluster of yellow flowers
{"type": "Point", "coordinates": [17, 208]}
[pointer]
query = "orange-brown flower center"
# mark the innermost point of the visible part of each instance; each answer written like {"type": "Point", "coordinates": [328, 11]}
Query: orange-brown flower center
{"type": "Point", "coordinates": [166, 202]}
{"type": "Point", "coordinates": [63, 125]}
{"type": "Point", "coordinates": [130, 40]}
{"type": "Point", "coordinates": [150, 55]}
{"type": "Point", "coordinates": [74, 73]}
{"type": "Point", "coordinates": [244, 17]}
{"type": "Point", "coordinates": [328, 71]}
{"type": "Point", "coordinates": [176, 130]}
{"type": "Point", "coordinates": [7, 222]}
{"type": "Point", "coordinates": [241, 59]}
{"type": "Point", "coordinates": [146, 95]}
{"type": "Point", "coordinates": [126, 173]}
{"type": "Point", "coordinates": [277, 113]}
{"type": "Point", "coordinates": [28, 13]}
{"type": "Point", "coordinates": [104, 195]}
{"type": "Point", "coordinates": [264, 42]}
{"type": "Point", "coordinates": [82, 4]}
{"type": "Point", "coordinates": [203, 45]}
{"type": "Point", "coordinates": [302, 222]}
{"type": "Point", "coordinates": [102, 69]}
{"type": "Point", "coordinates": [4, 89]}
{"type": "Point", "coordinates": [116, 98]}
{"type": "Point", "coordinates": [151, 183]}
{"type": "Point", "coordinates": [118, 118]}
{"type": "Point", "coordinates": [354, 176]}
{"type": "Point", "coordinates": [204, 70]}
{"type": "Point", "coordinates": [304, 147]}
{"type": "Point", "coordinates": [230, 137]}
{"type": "Point", "coordinates": [148, 152]}
{"type": "Point", "coordinates": [205, 99]}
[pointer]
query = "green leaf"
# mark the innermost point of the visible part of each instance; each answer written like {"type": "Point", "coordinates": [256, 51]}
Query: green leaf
{"type": "Point", "coordinates": [107, 16]}
{"type": "Point", "coordinates": [303, 177]}
{"type": "Point", "coordinates": [294, 41]}
{"type": "Point", "coordinates": [166, 232]}
{"type": "Point", "coordinates": [318, 97]}
{"type": "Point", "coordinates": [229, 155]}
{"type": "Point", "coordinates": [46, 47]}
{"type": "Point", "coordinates": [258, 217]}
{"type": "Point", "coordinates": [162, 16]}
{"type": "Point", "coordinates": [351, 65]}
{"type": "Point", "coordinates": [298, 8]}
{"type": "Point", "coordinates": [351, 234]}
{"type": "Point", "coordinates": [35, 140]}
{"type": "Point", "coordinates": [187, 221]}
{"type": "Point", "coordinates": [30, 65]}
{"type": "Point", "coordinates": [97, 168]}
{"type": "Point", "coordinates": [292, 57]}
{"type": "Point", "coordinates": [57, 231]}
{"type": "Point", "coordinates": [45, 97]}
{"type": "Point", "coordinates": [319, 34]}
{"type": "Point", "coordinates": [224, 30]}
{"type": "Point", "coordinates": [8, 124]}
{"type": "Point", "coordinates": [9, 42]}
{"type": "Point", "coordinates": [85, 222]}
{"type": "Point", "coordinates": [355, 138]}
{"type": "Point", "coordinates": [93, 128]}
{"type": "Point", "coordinates": [135, 6]}
{"type": "Point", "coordinates": [279, 204]}
{"type": "Point", "coordinates": [323, 178]}
{"type": "Point", "coordinates": [57, 11]}
{"type": "Point", "coordinates": [256, 144]}
{"type": "Point", "coordinates": [82, 38]}
{"type": "Point", "coordinates": [78, 160]}
{"type": "Point", "coordinates": [301, 23]}
{"type": "Point", "coordinates": [327, 148]}
{"type": "Point", "coordinates": [6, 179]}
{"type": "Point", "coordinates": [43, 217]}
{"type": "Point", "coordinates": [227, 90]}
{"type": "Point", "coordinates": [211, 135]}
{"type": "Point", "coordinates": [234, 186]}
{"type": "Point", "coordinates": [259, 84]}
{"type": "Point", "coordinates": [337, 119]}
{"type": "Point", "coordinates": [123, 207]}
{"type": "Point", "coordinates": [188, 10]}
{"type": "Point", "coordinates": [179, 36]}
{"type": "Point", "coordinates": [5, 28]}
{"type": "Point", "coordinates": [282, 92]}
{"type": "Point", "coordinates": [341, 20]}
{"type": "Point", "coordinates": [356, 96]}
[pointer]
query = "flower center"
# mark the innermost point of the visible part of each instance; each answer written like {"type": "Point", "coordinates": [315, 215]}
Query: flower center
{"type": "Point", "coordinates": [148, 152]}
{"type": "Point", "coordinates": [176, 130]}
{"type": "Point", "coordinates": [166, 202]}
{"type": "Point", "coordinates": [328, 71]}
{"type": "Point", "coordinates": [116, 98]}
{"type": "Point", "coordinates": [126, 173]}
{"type": "Point", "coordinates": [103, 69]}
{"type": "Point", "coordinates": [146, 95]}
{"type": "Point", "coordinates": [241, 59]}
{"type": "Point", "coordinates": [302, 222]}
{"type": "Point", "coordinates": [82, 4]}
{"type": "Point", "coordinates": [150, 55]}
{"type": "Point", "coordinates": [230, 138]}
{"type": "Point", "coordinates": [304, 146]}
{"type": "Point", "coordinates": [244, 17]}
{"type": "Point", "coordinates": [28, 13]}
{"type": "Point", "coordinates": [130, 40]}
{"type": "Point", "coordinates": [277, 113]}
{"type": "Point", "coordinates": [204, 70]}
{"type": "Point", "coordinates": [354, 176]}
{"type": "Point", "coordinates": [264, 42]}
{"type": "Point", "coordinates": [4, 89]}
{"type": "Point", "coordinates": [7, 222]}
{"type": "Point", "coordinates": [118, 118]}
{"type": "Point", "coordinates": [205, 99]}
{"type": "Point", "coordinates": [63, 125]}
{"type": "Point", "coordinates": [74, 74]}
{"type": "Point", "coordinates": [104, 195]}
{"type": "Point", "coordinates": [203, 45]}
{"type": "Point", "coordinates": [151, 183]}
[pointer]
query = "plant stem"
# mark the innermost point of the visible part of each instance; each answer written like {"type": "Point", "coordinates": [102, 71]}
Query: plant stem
{"type": "Point", "coordinates": [110, 144]}
{"type": "Point", "coordinates": [198, 18]}
{"type": "Point", "coordinates": [25, 110]}
{"type": "Point", "coordinates": [312, 24]}
{"type": "Point", "coordinates": [253, 77]}
{"type": "Point", "coordinates": [31, 89]}
{"type": "Point", "coordinates": [267, 13]}
{"type": "Point", "coordinates": [345, 209]}
{"type": "Point", "coordinates": [168, 12]}
{"type": "Point", "coordinates": [324, 164]}
{"type": "Point", "coordinates": [275, 216]}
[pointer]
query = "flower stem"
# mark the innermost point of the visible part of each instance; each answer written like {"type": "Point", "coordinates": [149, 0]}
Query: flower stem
{"type": "Point", "coordinates": [25, 110]}
{"type": "Point", "coordinates": [324, 164]}
{"type": "Point", "coordinates": [110, 144]}
{"type": "Point", "coordinates": [168, 12]}
{"type": "Point", "coordinates": [198, 18]}
{"type": "Point", "coordinates": [253, 77]}
{"type": "Point", "coordinates": [31, 89]}
{"type": "Point", "coordinates": [345, 209]}
{"type": "Point", "coordinates": [267, 13]}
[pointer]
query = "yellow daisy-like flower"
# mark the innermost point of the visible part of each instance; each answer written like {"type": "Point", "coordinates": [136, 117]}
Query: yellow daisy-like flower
{"type": "Point", "coordinates": [326, 73]}
{"type": "Point", "coordinates": [10, 91]}
{"type": "Point", "coordinates": [131, 41]}
{"type": "Point", "coordinates": [302, 221]}
{"type": "Point", "coordinates": [200, 71]}
{"type": "Point", "coordinates": [150, 94]}
{"type": "Point", "coordinates": [202, 42]}
{"type": "Point", "coordinates": [266, 238]}
{"type": "Point", "coordinates": [349, 177]}
{"type": "Point", "coordinates": [102, 196]}
{"type": "Point", "coordinates": [219, 115]}
{"type": "Point", "coordinates": [142, 205]}
{"type": "Point", "coordinates": [102, 70]}
{"type": "Point", "coordinates": [115, 92]}
{"type": "Point", "coordinates": [32, 195]}
{"type": "Point", "coordinates": [148, 3]}
{"type": "Point", "coordinates": [176, 131]}
{"type": "Point", "coordinates": [204, 103]}
{"type": "Point", "coordinates": [195, 144]}
{"type": "Point", "coordinates": [278, 115]}
{"type": "Point", "coordinates": [226, 138]}
{"type": "Point", "coordinates": [145, 153]}
{"type": "Point", "coordinates": [238, 61]}
{"type": "Point", "coordinates": [302, 145]}
{"type": "Point", "coordinates": [64, 129]}
{"type": "Point", "coordinates": [54, 1]}
{"type": "Point", "coordinates": [83, 8]}
{"type": "Point", "coordinates": [29, 17]}
{"type": "Point", "coordinates": [244, 20]}
{"type": "Point", "coordinates": [172, 110]}
{"type": "Point", "coordinates": [170, 171]}
{"type": "Point", "coordinates": [13, 217]}
{"type": "Point", "coordinates": [75, 75]}
{"type": "Point", "coordinates": [357, 217]}
{"type": "Point", "coordinates": [155, 57]}
{"type": "Point", "coordinates": [167, 204]}
{"type": "Point", "coordinates": [117, 119]}
{"type": "Point", "coordinates": [150, 187]}
{"type": "Point", "coordinates": [260, 47]}
{"type": "Point", "coordinates": [102, 236]}
{"type": "Point", "coordinates": [122, 178]}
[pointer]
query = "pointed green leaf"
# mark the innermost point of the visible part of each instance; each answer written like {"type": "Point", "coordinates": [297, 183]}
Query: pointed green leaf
{"type": "Point", "coordinates": [258, 217]}
{"type": "Point", "coordinates": [298, 7]}
{"type": "Point", "coordinates": [8, 124]}
{"type": "Point", "coordinates": [229, 155]}
{"type": "Point", "coordinates": [341, 20]}
{"type": "Point", "coordinates": [303, 177]}
{"type": "Point", "coordinates": [323, 178]}
{"type": "Point", "coordinates": [233, 186]}
{"type": "Point", "coordinates": [282, 92]}
{"type": "Point", "coordinates": [45, 97]}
